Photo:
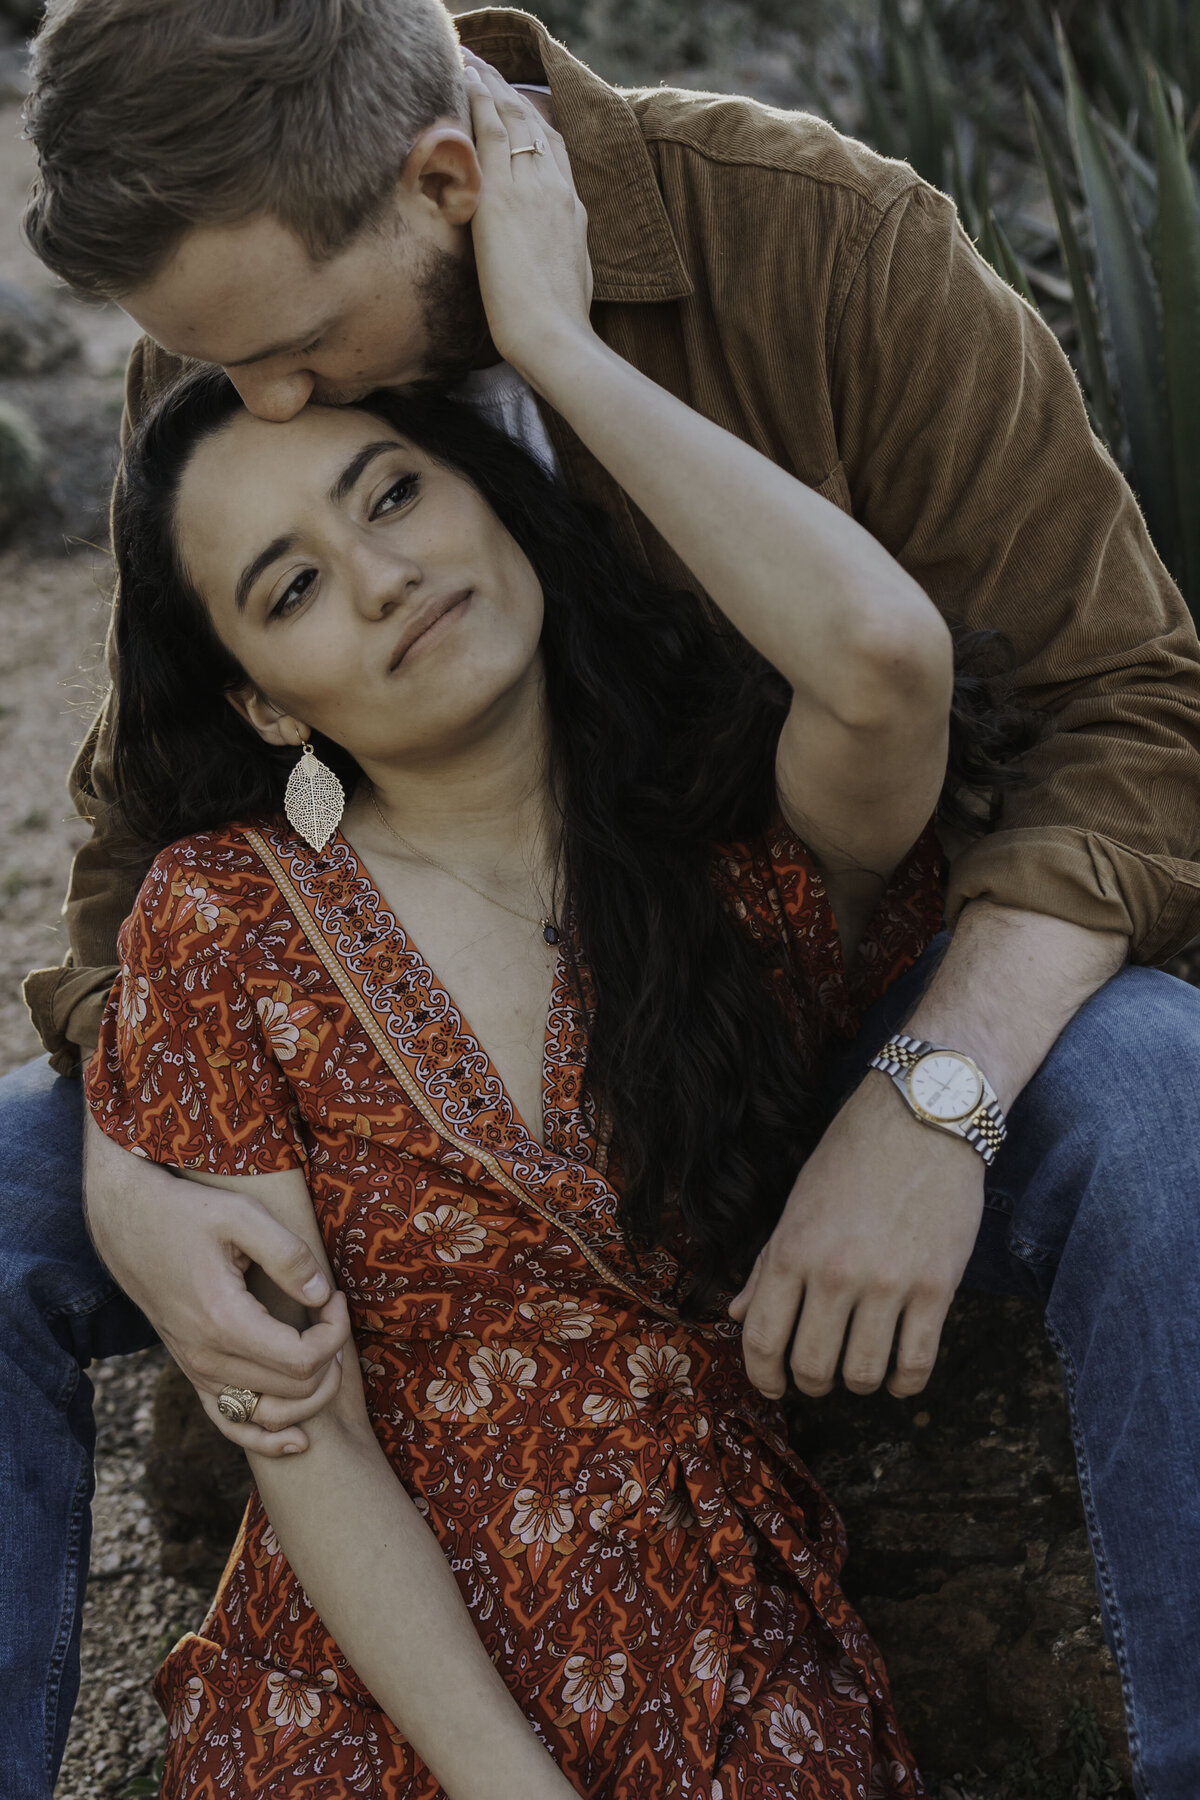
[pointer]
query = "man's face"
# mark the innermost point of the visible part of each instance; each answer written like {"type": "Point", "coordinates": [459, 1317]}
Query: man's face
{"type": "Point", "coordinates": [399, 305]}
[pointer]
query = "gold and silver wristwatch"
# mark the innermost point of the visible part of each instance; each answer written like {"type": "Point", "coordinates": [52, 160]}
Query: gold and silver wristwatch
{"type": "Point", "coordinates": [945, 1089]}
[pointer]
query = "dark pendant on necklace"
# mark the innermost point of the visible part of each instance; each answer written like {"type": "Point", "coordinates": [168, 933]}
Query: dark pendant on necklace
{"type": "Point", "coordinates": [550, 931]}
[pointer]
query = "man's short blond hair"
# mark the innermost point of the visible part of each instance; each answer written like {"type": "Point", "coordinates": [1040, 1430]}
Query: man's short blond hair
{"type": "Point", "coordinates": [152, 116]}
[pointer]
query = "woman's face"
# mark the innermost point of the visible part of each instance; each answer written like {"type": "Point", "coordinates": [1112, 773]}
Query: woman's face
{"type": "Point", "coordinates": [367, 591]}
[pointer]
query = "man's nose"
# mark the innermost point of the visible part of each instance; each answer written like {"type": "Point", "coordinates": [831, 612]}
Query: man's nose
{"type": "Point", "coordinates": [276, 398]}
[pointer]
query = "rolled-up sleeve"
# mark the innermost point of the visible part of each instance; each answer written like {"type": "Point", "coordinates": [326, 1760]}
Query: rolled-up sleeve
{"type": "Point", "coordinates": [968, 453]}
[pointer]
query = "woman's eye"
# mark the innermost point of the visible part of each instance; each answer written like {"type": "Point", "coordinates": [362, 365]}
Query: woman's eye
{"type": "Point", "coordinates": [293, 593]}
{"type": "Point", "coordinates": [396, 496]}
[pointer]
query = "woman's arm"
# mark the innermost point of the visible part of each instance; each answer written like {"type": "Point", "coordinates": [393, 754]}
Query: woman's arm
{"type": "Point", "coordinates": [868, 657]}
{"type": "Point", "coordinates": [378, 1576]}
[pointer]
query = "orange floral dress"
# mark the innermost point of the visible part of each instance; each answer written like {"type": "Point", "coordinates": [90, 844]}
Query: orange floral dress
{"type": "Point", "coordinates": [647, 1561]}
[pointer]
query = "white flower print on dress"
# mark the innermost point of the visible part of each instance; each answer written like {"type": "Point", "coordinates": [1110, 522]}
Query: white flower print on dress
{"type": "Point", "coordinates": [455, 1396]}
{"type": "Point", "coordinates": [710, 1657]}
{"type": "Point", "coordinates": [594, 1683]}
{"type": "Point", "coordinates": [283, 1022]}
{"type": "Point", "coordinates": [562, 1321]}
{"type": "Point", "coordinates": [199, 900]}
{"type": "Point", "coordinates": [134, 994]}
{"type": "Point", "coordinates": [292, 1703]}
{"type": "Point", "coordinates": [452, 1233]}
{"type": "Point", "coordinates": [541, 1518]}
{"type": "Point", "coordinates": [504, 1365]}
{"type": "Point", "coordinates": [627, 1497]}
{"type": "Point", "coordinates": [605, 1409]}
{"type": "Point", "coordinates": [737, 1688]}
{"type": "Point", "coordinates": [793, 1733]}
{"type": "Point", "coordinates": [845, 1680]}
{"type": "Point", "coordinates": [658, 1371]}
{"type": "Point", "coordinates": [185, 1709]}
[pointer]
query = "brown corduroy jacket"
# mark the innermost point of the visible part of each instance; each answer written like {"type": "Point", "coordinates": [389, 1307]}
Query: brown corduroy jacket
{"type": "Point", "coordinates": [823, 303]}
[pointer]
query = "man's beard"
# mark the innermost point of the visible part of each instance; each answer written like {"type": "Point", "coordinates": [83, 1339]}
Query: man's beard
{"type": "Point", "coordinates": [455, 325]}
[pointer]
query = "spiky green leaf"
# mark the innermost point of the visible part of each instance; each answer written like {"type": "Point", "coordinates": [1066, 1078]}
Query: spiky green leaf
{"type": "Point", "coordinates": [1007, 261]}
{"type": "Point", "coordinates": [1091, 355]}
{"type": "Point", "coordinates": [1131, 306]}
{"type": "Point", "coordinates": [1179, 270]}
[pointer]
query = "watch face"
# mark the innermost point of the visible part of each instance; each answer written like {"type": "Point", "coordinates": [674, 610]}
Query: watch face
{"type": "Point", "coordinates": [945, 1086]}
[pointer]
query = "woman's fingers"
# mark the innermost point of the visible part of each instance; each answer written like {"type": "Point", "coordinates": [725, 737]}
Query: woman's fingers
{"type": "Point", "coordinates": [522, 121]}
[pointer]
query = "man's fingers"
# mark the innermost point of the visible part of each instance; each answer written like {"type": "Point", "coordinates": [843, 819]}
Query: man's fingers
{"type": "Point", "coordinates": [282, 1256]}
{"type": "Point", "coordinates": [916, 1352]}
{"type": "Point", "coordinates": [869, 1344]}
{"type": "Point", "coordinates": [741, 1303]}
{"type": "Point", "coordinates": [768, 1322]}
{"type": "Point", "coordinates": [820, 1334]}
{"type": "Point", "coordinates": [263, 1353]}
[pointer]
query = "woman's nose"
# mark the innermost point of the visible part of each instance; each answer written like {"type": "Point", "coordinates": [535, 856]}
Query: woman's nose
{"type": "Point", "coordinates": [274, 397]}
{"type": "Point", "coordinates": [384, 578]}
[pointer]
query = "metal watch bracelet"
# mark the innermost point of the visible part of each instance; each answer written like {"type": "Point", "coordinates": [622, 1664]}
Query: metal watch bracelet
{"type": "Point", "coordinates": [985, 1128]}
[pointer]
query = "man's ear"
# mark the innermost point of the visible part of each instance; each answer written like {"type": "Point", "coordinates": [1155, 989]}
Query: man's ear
{"type": "Point", "coordinates": [273, 725]}
{"type": "Point", "coordinates": [442, 172]}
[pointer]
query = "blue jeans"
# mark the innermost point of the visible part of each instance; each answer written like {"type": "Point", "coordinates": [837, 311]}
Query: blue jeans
{"type": "Point", "coordinates": [59, 1308]}
{"type": "Point", "coordinates": [1093, 1205]}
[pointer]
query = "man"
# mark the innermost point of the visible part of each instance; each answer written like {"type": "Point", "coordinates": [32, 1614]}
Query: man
{"type": "Point", "coordinates": [289, 192]}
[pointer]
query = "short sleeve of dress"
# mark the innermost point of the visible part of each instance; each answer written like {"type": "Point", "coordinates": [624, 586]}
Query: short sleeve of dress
{"type": "Point", "coordinates": [184, 1072]}
{"type": "Point", "coordinates": [774, 887]}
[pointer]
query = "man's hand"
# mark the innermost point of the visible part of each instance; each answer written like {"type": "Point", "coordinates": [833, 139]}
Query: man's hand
{"type": "Point", "coordinates": [181, 1251]}
{"type": "Point", "coordinates": [876, 1234]}
{"type": "Point", "coordinates": [882, 1220]}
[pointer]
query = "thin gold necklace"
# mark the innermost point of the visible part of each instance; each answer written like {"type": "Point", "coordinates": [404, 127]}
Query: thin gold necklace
{"type": "Point", "coordinates": [549, 929]}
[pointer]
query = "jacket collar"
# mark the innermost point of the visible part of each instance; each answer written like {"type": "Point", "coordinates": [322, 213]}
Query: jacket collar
{"type": "Point", "coordinates": [633, 249]}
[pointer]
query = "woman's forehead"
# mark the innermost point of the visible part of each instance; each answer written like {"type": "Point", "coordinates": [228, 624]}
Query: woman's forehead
{"type": "Point", "coordinates": [250, 464]}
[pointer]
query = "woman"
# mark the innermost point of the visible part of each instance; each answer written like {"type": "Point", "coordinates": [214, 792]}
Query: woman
{"type": "Point", "coordinates": [643, 853]}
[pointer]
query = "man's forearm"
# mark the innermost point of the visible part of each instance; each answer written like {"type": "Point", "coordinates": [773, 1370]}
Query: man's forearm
{"type": "Point", "coordinates": [1009, 983]}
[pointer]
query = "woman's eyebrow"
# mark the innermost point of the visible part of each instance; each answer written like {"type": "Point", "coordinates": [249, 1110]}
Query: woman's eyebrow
{"type": "Point", "coordinates": [275, 549]}
{"type": "Point", "coordinates": [354, 468]}
{"type": "Point", "coordinates": [362, 459]}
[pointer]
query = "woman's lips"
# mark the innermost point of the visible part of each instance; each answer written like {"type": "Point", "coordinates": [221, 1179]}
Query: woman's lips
{"type": "Point", "coordinates": [426, 620]}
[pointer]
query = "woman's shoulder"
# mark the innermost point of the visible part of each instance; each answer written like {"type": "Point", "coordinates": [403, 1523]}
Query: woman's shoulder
{"type": "Point", "coordinates": [210, 884]}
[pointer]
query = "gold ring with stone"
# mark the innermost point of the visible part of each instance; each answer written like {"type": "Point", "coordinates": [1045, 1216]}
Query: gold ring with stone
{"type": "Point", "coordinates": [237, 1404]}
{"type": "Point", "coordinates": [537, 148]}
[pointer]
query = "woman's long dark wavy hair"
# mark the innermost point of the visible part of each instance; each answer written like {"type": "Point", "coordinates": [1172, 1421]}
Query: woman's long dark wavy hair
{"type": "Point", "coordinates": [663, 727]}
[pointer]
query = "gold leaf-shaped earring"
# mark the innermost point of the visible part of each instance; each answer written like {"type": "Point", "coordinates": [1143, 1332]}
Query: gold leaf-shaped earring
{"type": "Point", "coordinates": [314, 799]}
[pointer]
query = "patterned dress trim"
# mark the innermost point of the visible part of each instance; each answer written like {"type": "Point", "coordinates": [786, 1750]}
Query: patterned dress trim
{"type": "Point", "coordinates": [339, 973]}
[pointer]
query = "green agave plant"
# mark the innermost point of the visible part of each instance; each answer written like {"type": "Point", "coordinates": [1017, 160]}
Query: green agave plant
{"type": "Point", "coordinates": [1134, 274]}
{"type": "Point", "coordinates": [1113, 98]}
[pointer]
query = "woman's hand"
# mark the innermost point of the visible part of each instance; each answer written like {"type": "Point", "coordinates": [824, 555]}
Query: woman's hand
{"type": "Point", "coordinates": [530, 229]}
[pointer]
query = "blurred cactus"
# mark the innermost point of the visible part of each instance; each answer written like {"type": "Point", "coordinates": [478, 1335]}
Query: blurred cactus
{"type": "Point", "coordinates": [22, 465]}
{"type": "Point", "coordinates": [1113, 101]}
{"type": "Point", "coordinates": [1131, 247]}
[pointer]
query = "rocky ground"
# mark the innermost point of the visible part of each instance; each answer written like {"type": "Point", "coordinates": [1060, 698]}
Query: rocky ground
{"type": "Point", "coordinates": [970, 1560]}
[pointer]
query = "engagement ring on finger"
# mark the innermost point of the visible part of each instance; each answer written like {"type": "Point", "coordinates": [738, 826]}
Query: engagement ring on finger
{"type": "Point", "coordinates": [237, 1404]}
{"type": "Point", "coordinates": [537, 148]}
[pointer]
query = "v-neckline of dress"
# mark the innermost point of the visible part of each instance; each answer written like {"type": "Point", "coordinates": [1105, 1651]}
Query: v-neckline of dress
{"type": "Point", "coordinates": [566, 1131]}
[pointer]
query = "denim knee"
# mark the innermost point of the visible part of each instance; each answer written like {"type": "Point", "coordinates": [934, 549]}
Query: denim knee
{"type": "Point", "coordinates": [1110, 1119]}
